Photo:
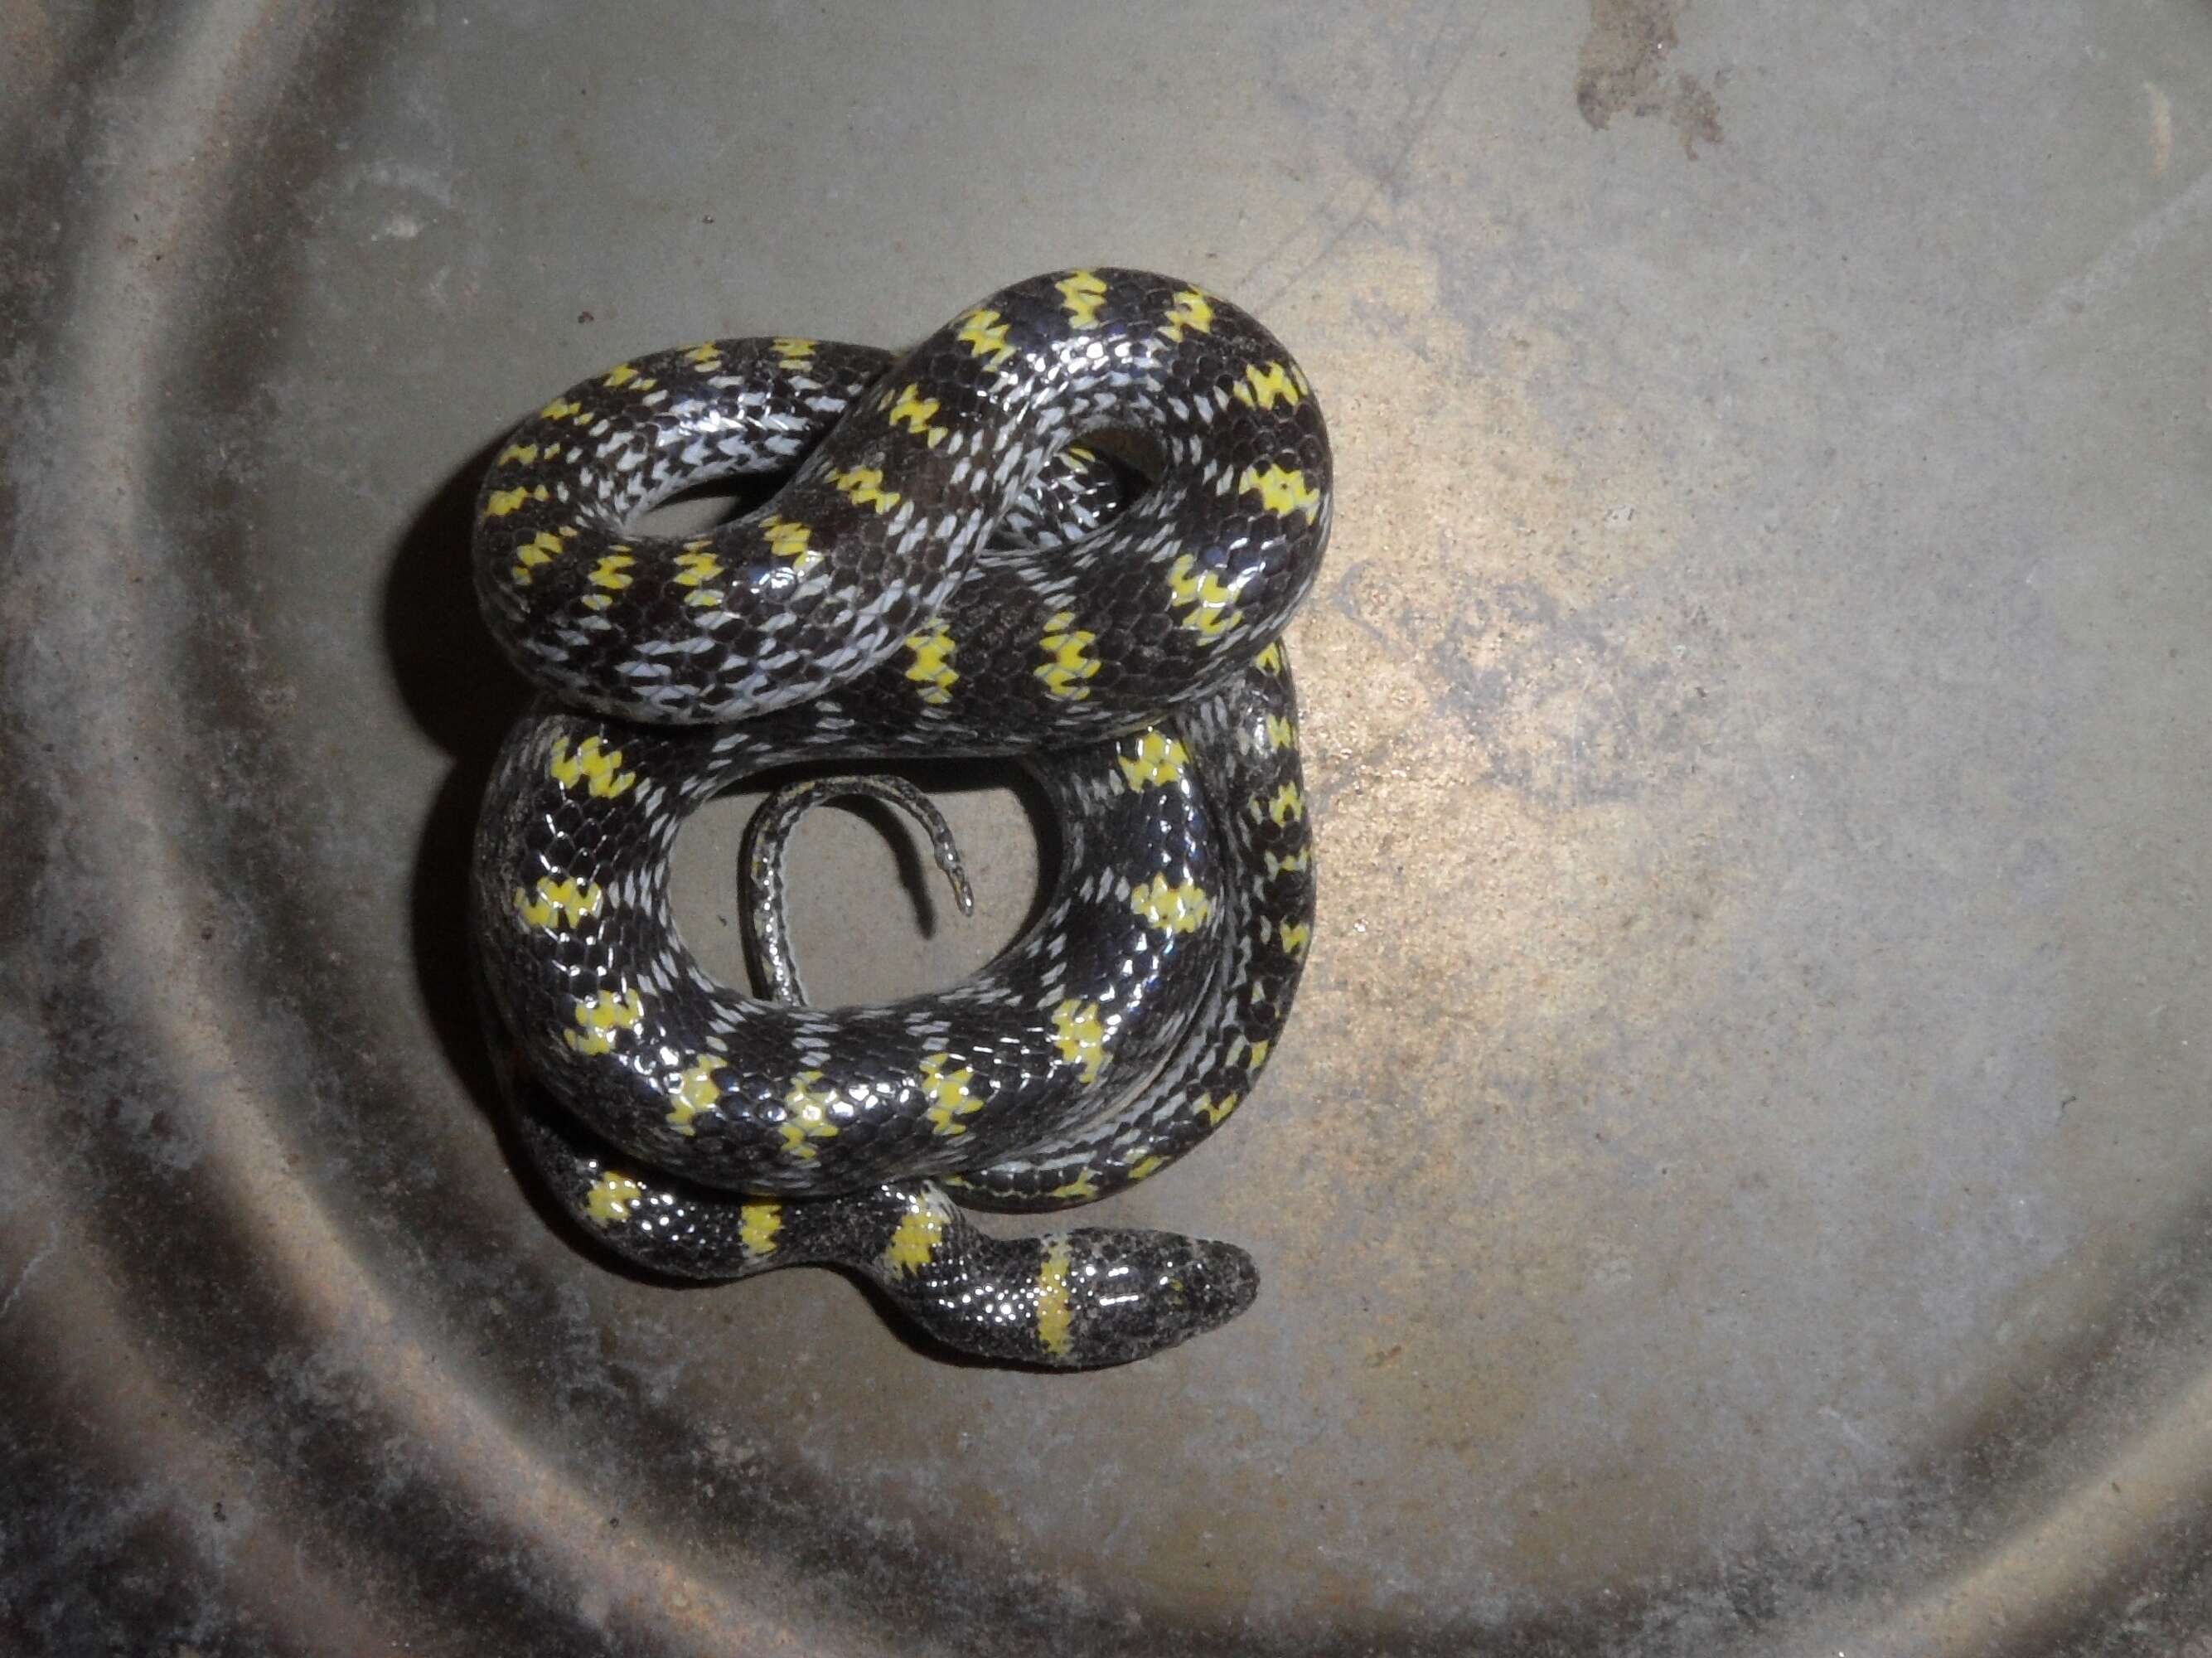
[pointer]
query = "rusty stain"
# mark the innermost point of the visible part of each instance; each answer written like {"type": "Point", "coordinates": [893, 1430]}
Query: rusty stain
{"type": "Point", "coordinates": [2161, 129]}
{"type": "Point", "coordinates": [1622, 70]}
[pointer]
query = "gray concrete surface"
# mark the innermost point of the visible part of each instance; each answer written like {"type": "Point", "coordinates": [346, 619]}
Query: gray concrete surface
{"type": "Point", "coordinates": [1738, 1177]}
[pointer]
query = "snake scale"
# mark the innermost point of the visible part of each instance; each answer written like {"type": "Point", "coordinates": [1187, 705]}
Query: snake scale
{"type": "Point", "coordinates": [950, 570]}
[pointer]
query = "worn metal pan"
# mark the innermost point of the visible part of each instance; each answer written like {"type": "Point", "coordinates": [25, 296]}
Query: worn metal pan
{"type": "Point", "coordinates": [1741, 1175]}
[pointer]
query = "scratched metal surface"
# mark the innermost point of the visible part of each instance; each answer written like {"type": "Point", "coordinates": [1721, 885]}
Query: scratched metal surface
{"type": "Point", "coordinates": [1741, 1178]}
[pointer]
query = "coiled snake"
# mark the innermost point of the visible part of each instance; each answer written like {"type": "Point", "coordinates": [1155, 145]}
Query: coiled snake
{"type": "Point", "coordinates": [950, 571]}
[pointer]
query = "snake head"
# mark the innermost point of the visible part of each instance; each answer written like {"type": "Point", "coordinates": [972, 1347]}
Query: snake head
{"type": "Point", "coordinates": [1132, 1294]}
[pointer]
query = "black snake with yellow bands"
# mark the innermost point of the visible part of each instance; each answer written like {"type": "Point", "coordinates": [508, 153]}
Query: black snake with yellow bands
{"type": "Point", "coordinates": [949, 571]}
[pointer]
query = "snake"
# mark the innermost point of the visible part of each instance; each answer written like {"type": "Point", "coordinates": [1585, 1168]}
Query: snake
{"type": "Point", "coordinates": [1066, 530]}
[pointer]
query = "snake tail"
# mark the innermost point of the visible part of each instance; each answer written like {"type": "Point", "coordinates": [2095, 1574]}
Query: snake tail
{"type": "Point", "coordinates": [765, 886]}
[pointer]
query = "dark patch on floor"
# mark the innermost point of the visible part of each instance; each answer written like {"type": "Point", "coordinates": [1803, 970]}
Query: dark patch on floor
{"type": "Point", "coordinates": [1623, 69]}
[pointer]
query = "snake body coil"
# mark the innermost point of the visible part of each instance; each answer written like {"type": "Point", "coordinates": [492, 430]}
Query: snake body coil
{"type": "Point", "coordinates": [950, 571]}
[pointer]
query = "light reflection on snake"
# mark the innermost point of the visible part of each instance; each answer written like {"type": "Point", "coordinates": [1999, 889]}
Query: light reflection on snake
{"type": "Point", "coordinates": [950, 571]}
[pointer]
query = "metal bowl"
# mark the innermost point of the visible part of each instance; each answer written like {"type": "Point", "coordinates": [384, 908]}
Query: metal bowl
{"type": "Point", "coordinates": [1739, 1178]}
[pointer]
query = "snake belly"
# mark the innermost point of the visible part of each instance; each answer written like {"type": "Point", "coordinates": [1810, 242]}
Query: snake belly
{"type": "Point", "coordinates": [948, 572]}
